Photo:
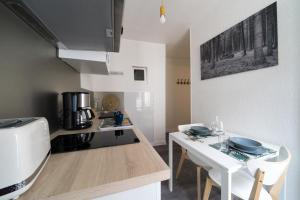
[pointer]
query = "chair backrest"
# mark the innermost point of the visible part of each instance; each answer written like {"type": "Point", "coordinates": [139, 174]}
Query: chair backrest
{"type": "Point", "coordinates": [186, 127]}
{"type": "Point", "coordinates": [273, 168]}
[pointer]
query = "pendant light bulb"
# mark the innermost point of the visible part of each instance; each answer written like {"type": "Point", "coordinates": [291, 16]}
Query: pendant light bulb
{"type": "Point", "coordinates": [162, 19]}
{"type": "Point", "coordinates": [162, 14]}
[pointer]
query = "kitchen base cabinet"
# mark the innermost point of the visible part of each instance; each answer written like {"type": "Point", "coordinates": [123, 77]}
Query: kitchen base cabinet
{"type": "Point", "coordinates": [147, 192]}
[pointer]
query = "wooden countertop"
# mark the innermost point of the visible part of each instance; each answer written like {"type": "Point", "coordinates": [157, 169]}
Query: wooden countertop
{"type": "Point", "coordinates": [84, 175]}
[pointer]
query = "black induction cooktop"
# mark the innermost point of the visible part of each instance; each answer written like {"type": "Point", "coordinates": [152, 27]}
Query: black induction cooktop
{"type": "Point", "coordinates": [93, 140]}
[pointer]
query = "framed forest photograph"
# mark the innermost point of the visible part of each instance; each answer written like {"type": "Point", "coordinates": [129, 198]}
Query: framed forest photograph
{"type": "Point", "coordinates": [249, 45]}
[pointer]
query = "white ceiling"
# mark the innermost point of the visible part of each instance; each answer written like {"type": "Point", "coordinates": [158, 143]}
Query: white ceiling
{"type": "Point", "coordinates": [141, 22]}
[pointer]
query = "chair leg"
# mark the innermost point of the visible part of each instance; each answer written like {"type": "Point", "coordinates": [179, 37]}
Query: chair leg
{"type": "Point", "coordinates": [258, 185]}
{"type": "Point", "coordinates": [275, 189]}
{"type": "Point", "coordinates": [208, 186]}
{"type": "Point", "coordinates": [198, 183]}
{"type": "Point", "coordinates": [182, 158]}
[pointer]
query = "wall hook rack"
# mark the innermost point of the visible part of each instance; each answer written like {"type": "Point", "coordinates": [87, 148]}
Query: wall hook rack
{"type": "Point", "coordinates": [183, 81]}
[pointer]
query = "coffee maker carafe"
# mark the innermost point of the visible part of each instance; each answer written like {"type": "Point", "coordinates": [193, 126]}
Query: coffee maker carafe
{"type": "Point", "coordinates": [77, 110]}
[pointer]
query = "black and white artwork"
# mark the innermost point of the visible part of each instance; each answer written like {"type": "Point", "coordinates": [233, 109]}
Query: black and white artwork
{"type": "Point", "coordinates": [249, 45]}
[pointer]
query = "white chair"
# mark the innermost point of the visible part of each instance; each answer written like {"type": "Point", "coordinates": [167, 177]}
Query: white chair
{"type": "Point", "coordinates": [249, 184]}
{"type": "Point", "coordinates": [188, 155]}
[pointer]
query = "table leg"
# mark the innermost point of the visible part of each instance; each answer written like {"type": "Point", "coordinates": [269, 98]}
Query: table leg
{"type": "Point", "coordinates": [171, 164]}
{"type": "Point", "coordinates": [226, 186]}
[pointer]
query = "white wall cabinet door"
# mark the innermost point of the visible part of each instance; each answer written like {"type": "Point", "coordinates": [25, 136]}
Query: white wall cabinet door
{"type": "Point", "coordinates": [139, 106]}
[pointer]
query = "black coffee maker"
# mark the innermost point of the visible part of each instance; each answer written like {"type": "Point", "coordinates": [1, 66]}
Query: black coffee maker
{"type": "Point", "coordinates": [77, 112]}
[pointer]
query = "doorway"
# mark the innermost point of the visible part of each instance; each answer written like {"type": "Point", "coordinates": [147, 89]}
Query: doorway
{"type": "Point", "coordinates": [178, 84]}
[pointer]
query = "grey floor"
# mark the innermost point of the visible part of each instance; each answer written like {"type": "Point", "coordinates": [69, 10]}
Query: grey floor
{"type": "Point", "coordinates": [185, 185]}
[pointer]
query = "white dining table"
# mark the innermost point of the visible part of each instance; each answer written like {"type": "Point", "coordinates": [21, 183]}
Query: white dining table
{"type": "Point", "coordinates": [212, 157]}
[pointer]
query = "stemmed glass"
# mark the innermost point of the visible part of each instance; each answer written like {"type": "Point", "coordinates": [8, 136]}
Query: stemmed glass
{"type": "Point", "coordinates": [214, 127]}
{"type": "Point", "coordinates": [218, 129]}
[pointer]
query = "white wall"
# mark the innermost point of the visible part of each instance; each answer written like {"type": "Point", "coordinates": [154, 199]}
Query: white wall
{"type": "Point", "coordinates": [178, 107]}
{"type": "Point", "coordinates": [265, 103]}
{"type": "Point", "coordinates": [136, 53]}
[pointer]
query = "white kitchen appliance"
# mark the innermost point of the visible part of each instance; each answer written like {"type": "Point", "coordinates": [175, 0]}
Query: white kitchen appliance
{"type": "Point", "coordinates": [24, 150]}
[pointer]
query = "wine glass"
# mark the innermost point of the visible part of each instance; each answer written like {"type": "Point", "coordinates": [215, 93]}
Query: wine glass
{"type": "Point", "coordinates": [213, 127]}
